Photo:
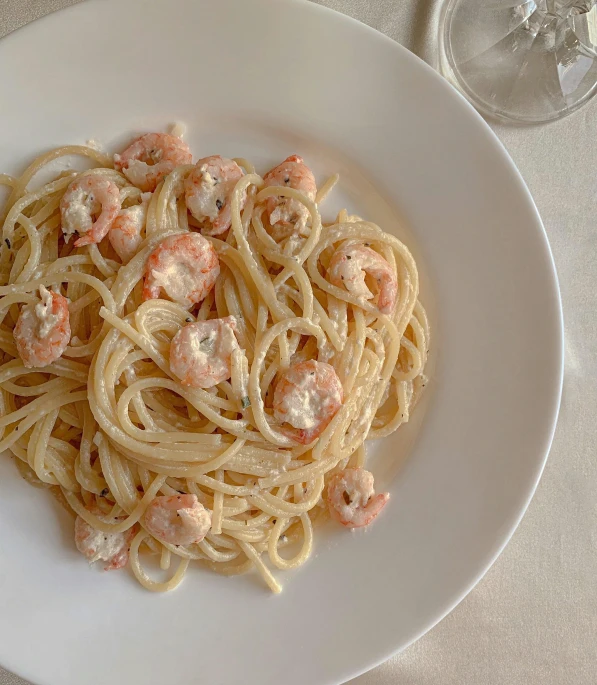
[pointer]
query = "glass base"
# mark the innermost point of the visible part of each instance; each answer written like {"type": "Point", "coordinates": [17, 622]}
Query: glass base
{"type": "Point", "coordinates": [526, 62]}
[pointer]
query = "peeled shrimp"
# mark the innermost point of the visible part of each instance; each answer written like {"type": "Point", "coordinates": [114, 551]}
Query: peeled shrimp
{"type": "Point", "coordinates": [208, 192]}
{"type": "Point", "coordinates": [286, 212]}
{"type": "Point", "coordinates": [185, 266]}
{"type": "Point", "coordinates": [86, 198]}
{"type": "Point", "coordinates": [349, 266]}
{"type": "Point", "coordinates": [125, 234]}
{"type": "Point", "coordinates": [307, 396]}
{"type": "Point", "coordinates": [42, 331]}
{"type": "Point", "coordinates": [152, 157]}
{"type": "Point", "coordinates": [351, 498]}
{"type": "Point", "coordinates": [177, 520]}
{"type": "Point", "coordinates": [112, 548]}
{"type": "Point", "coordinates": [200, 353]}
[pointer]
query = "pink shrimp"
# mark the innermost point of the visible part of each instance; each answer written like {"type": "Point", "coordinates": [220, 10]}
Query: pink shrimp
{"type": "Point", "coordinates": [85, 198]}
{"type": "Point", "coordinates": [200, 353]}
{"type": "Point", "coordinates": [349, 266]}
{"type": "Point", "coordinates": [351, 498]}
{"type": "Point", "coordinates": [289, 213]}
{"type": "Point", "coordinates": [112, 548]}
{"type": "Point", "coordinates": [42, 331]}
{"type": "Point", "coordinates": [208, 192]}
{"type": "Point", "coordinates": [150, 158]}
{"type": "Point", "coordinates": [125, 234]}
{"type": "Point", "coordinates": [306, 398]}
{"type": "Point", "coordinates": [185, 266]}
{"type": "Point", "coordinates": [177, 520]}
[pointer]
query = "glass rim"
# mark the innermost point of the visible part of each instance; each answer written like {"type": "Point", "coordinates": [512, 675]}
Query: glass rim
{"type": "Point", "coordinates": [449, 70]}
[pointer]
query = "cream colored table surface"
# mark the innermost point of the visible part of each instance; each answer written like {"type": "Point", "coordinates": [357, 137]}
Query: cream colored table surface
{"type": "Point", "coordinates": [533, 619]}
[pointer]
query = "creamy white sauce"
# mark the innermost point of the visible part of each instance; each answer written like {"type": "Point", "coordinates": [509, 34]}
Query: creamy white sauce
{"type": "Point", "coordinates": [216, 347]}
{"type": "Point", "coordinates": [293, 245]}
{"type": "Point", "coordinates": [196, 520]}
{"type": "Point", "coordinates": [125, 234]}
{"type": "Point", "coordinates": [359, 495]}
{"type": "Point", "coordinates": [203, 202]}
{"type": "Point", "coordinates": [97, 545]}
{"type": "Point", "coordinates": [326, 351]}
{"type": "Point", "coordinates": [137, 171]}
{"type": "Point", "coordinates": [352, 272]}
{"type": "Point", "coordinates": [107, 545]}
{"type": "Point", "coordinates": [304, 406]}
{"type": "Point", "coordinates": [290, 211]}
{"type": "Point", "coordinates": [43, 311]}
{"type": "Point", "coordinates": [207, 180]}
{"type": "Point", "coordinates": [77, 215]}
{"type": "Point", "coordinates": [136, 215]}
{"type": "Point", "coordinates": [203, 352]}
{"type": "Point", "coordinates": [181, 526]}
{"type": "Point", "coordinates": [176, 279]}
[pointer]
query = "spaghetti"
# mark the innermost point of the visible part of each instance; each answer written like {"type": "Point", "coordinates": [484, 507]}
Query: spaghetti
{"type": "Point", "coordinates": [110, 428]}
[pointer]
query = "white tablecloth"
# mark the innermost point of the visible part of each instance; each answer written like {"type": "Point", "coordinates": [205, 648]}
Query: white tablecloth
{"type": "Point", "coordinates": [533, 619]}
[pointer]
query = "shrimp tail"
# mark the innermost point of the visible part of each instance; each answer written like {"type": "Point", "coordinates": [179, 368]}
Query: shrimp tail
{"type": "Point", "coordinates": [364, 516]}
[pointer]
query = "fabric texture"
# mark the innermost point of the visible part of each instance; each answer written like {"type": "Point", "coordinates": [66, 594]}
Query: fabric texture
{"type": "Point", "coordinates": [533, 619]}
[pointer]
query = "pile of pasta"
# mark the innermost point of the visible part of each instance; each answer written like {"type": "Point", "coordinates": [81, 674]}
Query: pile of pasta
{"type": "Point", "coordinates": [107, 426]}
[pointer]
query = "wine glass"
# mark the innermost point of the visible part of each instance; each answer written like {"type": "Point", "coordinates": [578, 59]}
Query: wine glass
{"type": "Point", "coordinates": [525, 62]}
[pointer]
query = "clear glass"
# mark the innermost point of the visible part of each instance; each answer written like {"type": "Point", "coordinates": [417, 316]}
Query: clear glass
{"type": "Point", "coordinates": [527, 62]}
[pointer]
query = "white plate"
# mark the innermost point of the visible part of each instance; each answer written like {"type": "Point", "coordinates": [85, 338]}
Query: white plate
{"type": "Point", "coordinates": [264, 79]}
